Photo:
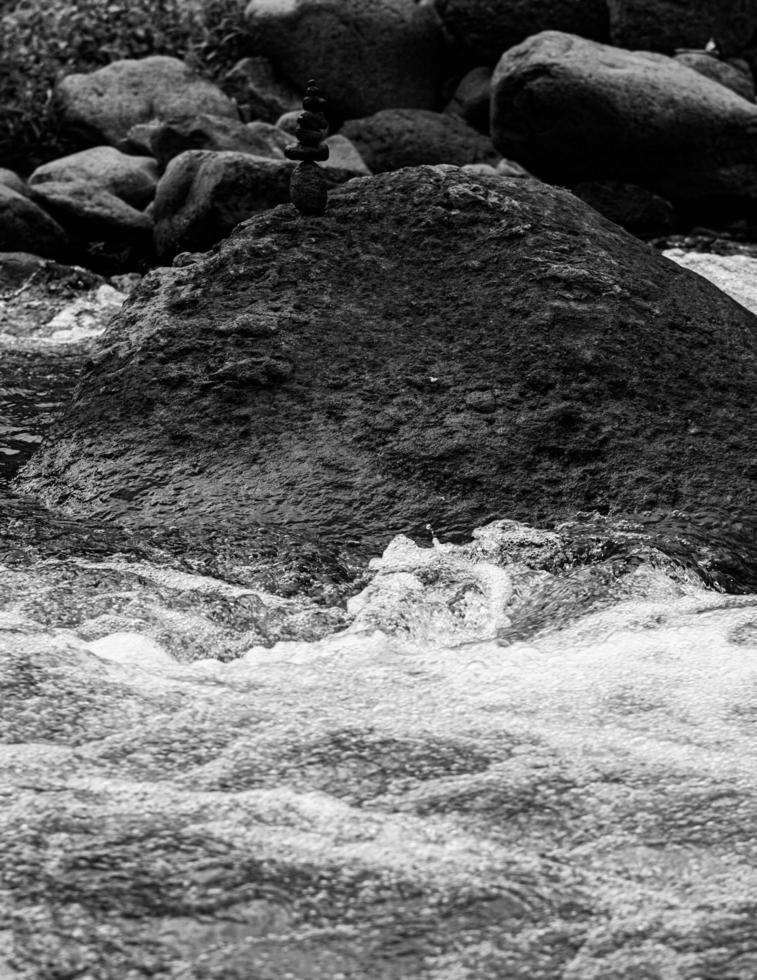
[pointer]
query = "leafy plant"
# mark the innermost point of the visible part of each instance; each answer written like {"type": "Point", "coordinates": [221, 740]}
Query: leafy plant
{"type": "Point", "coordinates": [43, 40]}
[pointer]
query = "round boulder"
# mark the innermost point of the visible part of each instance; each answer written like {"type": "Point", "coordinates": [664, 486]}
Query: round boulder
{"type": "Point", "coordinates": [439, 348]}
{"type": "Point", "coordinates": [203, 194]}
{"type": "Point", "coordinates": [131, 178]}
{"type": "Point", "coordinates": [365, 56]}
{"type": "Point", "coordinates": [395, 138]}
{"type": "Point", "coordinates": [572, 110]}
{"type": "Point", "coordinates": [482, 29]}
{"type": "Point", "coordinates": [101, 107]}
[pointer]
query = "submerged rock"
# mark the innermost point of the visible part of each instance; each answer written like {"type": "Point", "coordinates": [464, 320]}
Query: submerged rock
{"type": "Point", "coordinates": [440, 347]}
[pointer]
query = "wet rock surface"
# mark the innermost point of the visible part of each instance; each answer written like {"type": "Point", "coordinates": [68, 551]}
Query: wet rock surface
{"type": "Point", "coordinates": [439, 348]}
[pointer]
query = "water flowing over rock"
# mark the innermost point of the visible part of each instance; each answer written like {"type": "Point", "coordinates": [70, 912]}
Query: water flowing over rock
{"type": "Point", "coordinates": [531, 755]}
{"type": "Point", "coordinates": [572, 110]}
{"type": "Point", "coordinates": [441, 347]}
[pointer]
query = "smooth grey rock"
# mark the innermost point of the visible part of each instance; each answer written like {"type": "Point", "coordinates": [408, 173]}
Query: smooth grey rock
{"type": "Point", "coordinates": [9, 178]}
{"type": "Point", "coordinates": [89, 212]}
{"type": "Point", "coordinates": [27, 227]}
{"type": "Point", "coordinates": [364, 56]}
{"type": "Point", "coordinates": [472, 98]}
{"type": "Point", "coordinates": [572, 110]}
{"type": "Point", "coordinates": [258, 91]}
{"type": "Point", "coordinates": [102, 106]}
{"type": "Point", "coordinates": [739, 81]}
{"type": "Point", "coordinates": [131, 178]}
{"type": "Point", "coordinates": [395, 138]}
{"type": "Point", "coordinates": [167, 139]}
{"type": "Point", "coordinates": [204, 194]}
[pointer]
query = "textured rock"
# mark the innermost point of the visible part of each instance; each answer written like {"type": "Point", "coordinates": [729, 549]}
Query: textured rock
{"type": "Point", "coordinates": [204, 194]}
{"type": "Point", "coordinates": [740, 82]}
{"type": "Point", "coordinates": [633, 208]}
{"type": "Point", "coordinates": [572, 110]}
{"type": "Point", "coordinates": [101, 107]}
{"type": "Point", "coordinates": [438, 348]}
{"type": "Point", "coordinates": [205, 132]}
{"type": "Point", "coordinates": [364, 56]}
{"type": "Point", "coordinates": [664, 25]}
{"type": "Point", "coordinates": [132, 178]}
{"type": "Point", "coordinates": [395, 138]}
{"type": "Point", "coordinates": [258, 91]}
{"type": "Point", "coordinates": [482, 30]}
{"type": "Point", "coordinates": [25, 226]}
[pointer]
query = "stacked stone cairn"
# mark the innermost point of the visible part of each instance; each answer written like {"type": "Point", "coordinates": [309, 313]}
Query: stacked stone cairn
{"type": "Point", "coordinates": [308, 187]}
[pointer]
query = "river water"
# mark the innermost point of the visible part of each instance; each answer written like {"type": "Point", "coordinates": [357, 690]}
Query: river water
{"type": "Point", "coordinates": [527, 756]}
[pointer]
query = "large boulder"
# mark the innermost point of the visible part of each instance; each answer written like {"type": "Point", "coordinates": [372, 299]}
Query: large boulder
{"type": "Point", "coordinates": [101, 107]}
{"type": "Point", "coordinates": [395, 138]}
{"type": "Point", "coordinates": [131, 178]}
{"type": "Point", "coordinates": [736, 79]}
{"type": "Point", "coordinates": [365, 56]}
{"type": "Point", "coordinates": [573, 110]}
{"type": "Point", "coordinates": [664, 25]}
{"type": "Point", "coordinates": [25, 226]}
{"type": "Point", "coordinates": [482, 29]}
{"type": "Point", "coordinates": [204, 194]}
{"type": "Point", "coordinates": [439, 348]}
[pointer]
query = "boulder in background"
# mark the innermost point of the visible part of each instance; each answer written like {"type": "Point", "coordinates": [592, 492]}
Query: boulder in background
{"type": "Point", "coordinates": [102, 106]}
{"type": "Point", "coordinates": [131, 178]}
{"type": "Point", "coordinates": [573, 110]}
{"type": "Point", "coordinates": [26, 227]}
{"type": "Point", "coordinates": [395, 138]}
{"type": "Point", "coordinates": [364, 56]}
{"type": "Point", "coordinates": [481, 30]}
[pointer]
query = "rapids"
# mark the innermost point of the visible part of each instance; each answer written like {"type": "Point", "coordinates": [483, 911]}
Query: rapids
{"type": "Point", "coordinates": [526, 756]}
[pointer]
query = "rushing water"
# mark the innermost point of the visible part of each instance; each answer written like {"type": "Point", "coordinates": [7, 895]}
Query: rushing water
{"type": "Point", "coordinates": [528, 756]}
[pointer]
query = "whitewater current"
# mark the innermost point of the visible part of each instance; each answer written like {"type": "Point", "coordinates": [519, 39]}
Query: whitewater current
{"type": "Point", "coordinates": [527, 756]}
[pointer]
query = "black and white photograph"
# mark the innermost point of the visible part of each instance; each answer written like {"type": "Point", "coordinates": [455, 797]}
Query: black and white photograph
{"type": "Point", "coordinates": [378, 490]}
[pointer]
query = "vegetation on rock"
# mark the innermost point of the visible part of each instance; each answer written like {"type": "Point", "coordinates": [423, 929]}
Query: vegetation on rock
{"type": "Point", "coordinates": [41, 41]}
